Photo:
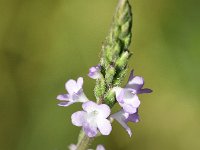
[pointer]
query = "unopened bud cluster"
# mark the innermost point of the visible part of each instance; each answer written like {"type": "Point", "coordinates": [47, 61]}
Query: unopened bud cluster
{"type": "Point", "coordinates": [115, 53]}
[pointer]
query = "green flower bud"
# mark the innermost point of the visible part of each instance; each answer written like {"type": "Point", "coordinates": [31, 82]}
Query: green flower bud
{"type": "Point", "coordinates": [109, 98]}
{"type": "Point", "coordinates": [127, 41]}
{"type": "Point", "coordinates": [122, 61]}
{"type": "Point", "coordinates": [109, 75]}
{"type": "Point", "coordinates": [125, 29]}
{"type": "Point", "coordinates": [100, 88]}
{"type": "Point", "coordinates": [119, 77]}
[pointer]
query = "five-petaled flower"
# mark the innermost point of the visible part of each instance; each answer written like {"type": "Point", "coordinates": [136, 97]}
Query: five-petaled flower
{"type": "Point", "coordinates": [127, 96]}
{"type": "Point", "coordinates": [123, 118]}
{"type": "Point", "coordinates": [75, 93]}
{"type": "Point", "coordinates": [95, 72]}
{"type": "Point", "coordinates": [93, 118]}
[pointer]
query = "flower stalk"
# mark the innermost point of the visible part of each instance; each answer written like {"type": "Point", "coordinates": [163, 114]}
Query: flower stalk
{"type": "Point", "coordinates": [83, 141]}
{"type": "Point", "coordinates": [114, 59]}
{"type": "Point", "coordinates": [96, 118]}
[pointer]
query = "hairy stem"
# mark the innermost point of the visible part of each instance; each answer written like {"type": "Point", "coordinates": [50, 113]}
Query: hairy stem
{"type": "Point", "coordinates": [83, 141]}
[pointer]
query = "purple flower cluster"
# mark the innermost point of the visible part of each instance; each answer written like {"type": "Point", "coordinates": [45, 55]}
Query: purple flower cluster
{"type": "Point", "coordinates": [129, 101]}
{"type": "Point", "coordinates": [95, 117]}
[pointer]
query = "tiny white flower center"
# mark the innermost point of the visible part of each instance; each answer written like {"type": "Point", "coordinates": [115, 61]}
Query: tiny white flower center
{"type": "Point", "coordinates": [92, 117]}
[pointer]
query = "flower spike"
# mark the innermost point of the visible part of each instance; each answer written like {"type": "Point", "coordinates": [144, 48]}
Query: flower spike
{"type": "Point", "coordinates": [95, 118]}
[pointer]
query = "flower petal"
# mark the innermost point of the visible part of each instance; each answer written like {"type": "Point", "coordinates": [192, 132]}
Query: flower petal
{"type": "Point", "coordinates": [72, 147]}
{"type": "Point", "coordinates": [78, 118]}
{"type": "Point", "coordinates": [129, 109]}
{"type": "Point", "coordinates": [131, 76]}
{"type": "Point", "coordinates": [80, 96]}
{"type": "Point", "coordinates": [133, 118]}
{"type": "Point", "coordinates": [121, 117]}
{"type": "Point", "coordinates": [136, 101]}
{"type": "Point", "coordinates": [90, 130]}
{"type": "Point", "coordinates": [94, 72]}
{"type": "Point", "coordinates": [128, 96]}
{"type": "Point", "coordinates": [119, 94]}
{"type": "Point", "coordinates": [100, 147]}
{"type": "Point", "coordinates": [62, 97]}
{"type": "Point", "coordinates": [72, 87]}
{"type": "Point", "coordinates": [137, 80]}
{"type": "Point", "coordinates": [131, 99]}
{"type": "Point", "coordinates": [95, 75]}
{"type": "Point", "coordinates": [80, 82]}
{"type": "Point", "coordinates": [136, 83]}
{"type": "Point", "coordinates": [89, 106]}
{"type": "Point", "coordinates": [104, 110]}
{"type": "Point", "coordinates": [141, 91]}
{"type": "Point", "coordinates": [104, 126]}
{"type": "Point", "coordinates": [65, 103]}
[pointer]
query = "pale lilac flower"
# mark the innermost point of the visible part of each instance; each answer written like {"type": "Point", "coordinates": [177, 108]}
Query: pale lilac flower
{"type": "Point", "coordinates": [135, 84]}
{"type": "Point", "coordinates": [127, 97]}
{"type": "Point", "coordinates": [95, 72]}
{"type": "Point", "coordinates": [123, 118]}
{"type": "Point", "coordinates": [93, 118]}
{"type": "Point", "coordinates": [74, 147]}
{"type": "Point", "coordinates": [127, 100]}
{"type": "Point", "coordinates": [75, 93]}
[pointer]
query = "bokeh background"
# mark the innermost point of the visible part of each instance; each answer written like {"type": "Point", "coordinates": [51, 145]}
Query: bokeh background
{"type": "Point", "coordinates": [43, 43]}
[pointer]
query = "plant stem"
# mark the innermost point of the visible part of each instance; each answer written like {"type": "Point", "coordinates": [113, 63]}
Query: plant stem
{"type": "Point", "coordinates": [83, 141]}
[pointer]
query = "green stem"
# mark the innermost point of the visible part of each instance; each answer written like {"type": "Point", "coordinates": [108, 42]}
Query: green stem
{"type": "Point", "coordinates": [84, 141]}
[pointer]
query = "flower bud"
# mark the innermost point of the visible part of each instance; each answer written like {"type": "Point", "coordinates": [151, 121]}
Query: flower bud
{"type": "Point", "coordinates": [123, 60]}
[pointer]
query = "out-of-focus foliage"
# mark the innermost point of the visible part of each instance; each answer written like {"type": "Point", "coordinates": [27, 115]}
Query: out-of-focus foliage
{"type": "Point", "coordinates": [43, 43]}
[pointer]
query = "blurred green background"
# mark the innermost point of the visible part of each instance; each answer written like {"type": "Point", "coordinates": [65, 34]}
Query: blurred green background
{"type": "Point", "coordinates": [43, 43]}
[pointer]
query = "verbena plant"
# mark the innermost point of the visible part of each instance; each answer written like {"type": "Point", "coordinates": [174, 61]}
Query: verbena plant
{"type": "Point", "coordinates": [96, 118]}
